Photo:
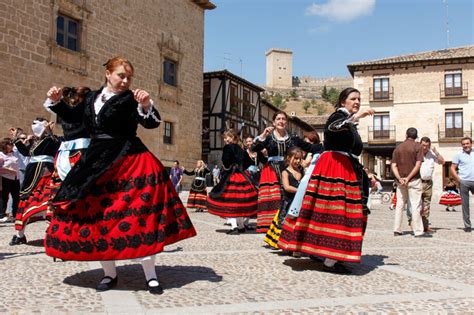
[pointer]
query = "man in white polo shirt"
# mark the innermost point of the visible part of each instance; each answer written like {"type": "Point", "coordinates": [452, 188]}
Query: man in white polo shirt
{"type": "Point", "coordinates": [464, 161]}
{"type": "Point", "coordinates": [431, 157]}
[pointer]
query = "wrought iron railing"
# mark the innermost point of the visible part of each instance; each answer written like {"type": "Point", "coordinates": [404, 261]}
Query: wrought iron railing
{"type": "Point", "coordinates": [380, 96]}
{"type": "Point", "coordinates": [385, 134]}
{"type": "Point", "coordinates": [454, 133]}
{"type": "Point", "coordinates": [454, 91]}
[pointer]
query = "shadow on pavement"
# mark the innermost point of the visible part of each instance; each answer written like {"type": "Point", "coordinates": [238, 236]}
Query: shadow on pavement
{"type": "Point", "coordinates": [225, 230]}
{"type": "Point", "coordinates": [36, 243]}
{"type": "Point", "coordinates": [15, 255]}
{"type": "Point", "coordinates": [132, 278]}
{"type": "Point", "coordinates": [368, 264]}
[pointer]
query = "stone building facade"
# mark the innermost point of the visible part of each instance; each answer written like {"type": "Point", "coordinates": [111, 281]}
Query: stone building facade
{"type": "Point", "coordinates": [232, 102]}
{"type": "Point", "coordinates": [431, 91]}
{"type": "Point", "coordinates": [279, 68]}
{"type": "Point", "coordinates": [65, 42]}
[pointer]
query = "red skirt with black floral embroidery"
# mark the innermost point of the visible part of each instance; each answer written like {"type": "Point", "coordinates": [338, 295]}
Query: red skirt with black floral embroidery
{"type": "Point", "coordinates": [55, 181]}
{"type": "Point", "coordinates": [131, 211]}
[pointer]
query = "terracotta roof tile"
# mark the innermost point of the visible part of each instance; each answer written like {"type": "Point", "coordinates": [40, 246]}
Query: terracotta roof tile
{"type": "Point", "coordinates": [450, 53]}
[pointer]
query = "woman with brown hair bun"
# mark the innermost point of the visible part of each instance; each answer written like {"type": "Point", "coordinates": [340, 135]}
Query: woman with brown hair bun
{"type": "Point", "coordinates": [332, 219]}
{"type": "Point", "coordinates": [276, 140]}
{"type": "Point", "coordinates": [117, 202]}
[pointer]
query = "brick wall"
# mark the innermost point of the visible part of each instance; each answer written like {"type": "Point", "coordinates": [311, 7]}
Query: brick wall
{"type": "Point", "coordinates": [143, 31]}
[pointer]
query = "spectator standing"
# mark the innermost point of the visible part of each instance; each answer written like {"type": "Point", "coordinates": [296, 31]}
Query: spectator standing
{"type": "Point", "coordinates": [216, 172]}
{"type": "Point", "coordinates": [176, 176]}
{"type": "Point", "coordinates": [464, 161]}
{"type": "Point", "coordinates": [18, 134]}
{"type": "Point", "coordinates": [9, 177]}
{"type": "Point", "coordinates": [406, 163]}
{"type": "Point", "coordinates": [431, 157]}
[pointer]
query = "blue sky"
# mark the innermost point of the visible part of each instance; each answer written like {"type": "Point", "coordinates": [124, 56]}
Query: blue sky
{"type": "Point", "coordinates": [326, 35]}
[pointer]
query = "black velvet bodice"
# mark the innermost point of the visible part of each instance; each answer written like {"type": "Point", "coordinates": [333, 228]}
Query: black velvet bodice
{"type": "Point", "coordinates": [48, 145]}
{"type": "Point", "coordinates": [118, 120]}
{"type": "Point", "coordinates": [340, 136]}
{"type": "Point", "coordinates": [233, 154]}
{"type": "Point", "coordinates": [279, 147]}
{"type": "Point", "coordinates": [74, 131]}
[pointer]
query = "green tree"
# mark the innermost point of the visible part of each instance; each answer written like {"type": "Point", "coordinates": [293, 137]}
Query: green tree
{"type": "Point", "coordinates": [278, 101]}
{"type": "Point", "coordinates": [320, 108]}
{"type": "Point", "coordinates": [333, 95]}
{"type": "Point", "coordinates": [306, 106]}
{"type": "Point", "coordinates": [324, 93]}
{"type": "Point", "coordinates": [294, 93]}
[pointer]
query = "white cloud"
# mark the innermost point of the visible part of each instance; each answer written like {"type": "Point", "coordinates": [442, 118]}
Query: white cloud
{"type": "Point", "coordinates": [319, 29]}
{"type": "Point", "coordinates": [342, 10]}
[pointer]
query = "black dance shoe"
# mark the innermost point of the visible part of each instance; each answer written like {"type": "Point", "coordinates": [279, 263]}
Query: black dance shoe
{"type": "Point", "coordinates": [242, 230]}
{"type": "Point", "coordinates": [17, 240]}
{"type": "Point", "coordinates": [337, 268]}
{"type": "Point", "coordinates": [233, 232]}
{"type": "Point", "coordinates": [316, 258]}
{"type": "Point", "coordinates": [154, 289]}
{"type": "Point", "coordinates": [104, 286]}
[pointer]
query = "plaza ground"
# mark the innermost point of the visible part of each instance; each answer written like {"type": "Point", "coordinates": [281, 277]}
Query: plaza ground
{"type": "Point", "coordinates": [216, 273]}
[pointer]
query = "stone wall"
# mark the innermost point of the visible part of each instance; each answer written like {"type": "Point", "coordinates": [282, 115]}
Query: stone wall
{"type": "Point", "coordinates": [145, 33]}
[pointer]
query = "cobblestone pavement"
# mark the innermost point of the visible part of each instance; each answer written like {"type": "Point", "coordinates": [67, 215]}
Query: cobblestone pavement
{"type": "Point", "coordinates": [215, 273]}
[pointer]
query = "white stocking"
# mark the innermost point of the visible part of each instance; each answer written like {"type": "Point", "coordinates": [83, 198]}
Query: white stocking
{"type": "Point", "coordinates": [109, 270]}
{"type": "Point", "coordinates": [233, 222]}
{"type": "Point", "coordinates": [240, 223]}
{"type": "Point", "coordinates": [149, 270]}
{"type": "Point", "coordinates": [328, 262]}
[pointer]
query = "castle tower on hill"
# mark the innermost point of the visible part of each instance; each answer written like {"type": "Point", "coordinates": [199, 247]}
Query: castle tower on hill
{"type": "Point", "coordinates": [279, 68]}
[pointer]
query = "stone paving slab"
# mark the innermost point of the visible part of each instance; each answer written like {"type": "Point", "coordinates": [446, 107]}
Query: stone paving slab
{"type": "Point", "coordinates": [216, 273]}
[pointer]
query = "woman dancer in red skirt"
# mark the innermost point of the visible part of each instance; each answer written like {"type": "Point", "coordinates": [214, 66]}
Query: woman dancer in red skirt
{"type": "Point", "coordinates": [117, 202]}
{"type": "Point", "coordinates": [235, 197]}
{"type": "Point", "coordinates": [277, 141]}
{"type": "Point", "coordinates": [451, 196]}
{"type": "Point", "coordinates": [332, 220]}
{"type": "Point", "coordinates": [198, 193]}
{"type": "Point", "coordinates": [34, 195]}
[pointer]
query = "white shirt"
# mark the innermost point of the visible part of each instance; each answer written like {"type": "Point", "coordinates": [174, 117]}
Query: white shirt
{"type": "Point", "coordinates": [427, 167]}
{"type": "Point", "coordinates": [10, 166]}
{"type": "Point", "coordinates": [101, 99]}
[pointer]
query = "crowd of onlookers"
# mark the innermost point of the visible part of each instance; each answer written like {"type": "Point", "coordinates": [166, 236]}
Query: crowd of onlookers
{"type": "Point", "coordinates": [12, 170]}
{"type": "Point", "coordinates": [413, 166]}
